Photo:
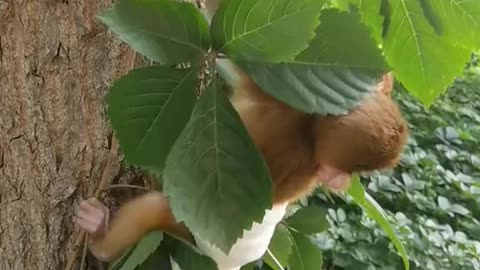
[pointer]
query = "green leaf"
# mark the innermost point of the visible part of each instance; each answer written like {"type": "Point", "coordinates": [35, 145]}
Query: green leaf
{"type": "Point", "coordinates": [148, 108]}
{"type": "Point", "coordinates": [215, 177]}
{"type": "Point", "coordinates": [250, 266]}
{"type": "Point", "coordinates": [357, 192]}
{"type": "Point", "coordinates": [160, 259]}
{"type": "Point", "coordinates": [280, 247]}
{"type": "Point", "coordinates": [166, 31]}
{"type": "Point", "coordinates": [309, 220]}
{"type": "Point", "coordinates": [376, 212]}
{"type": "Point", "coordinates": [370, 11]}
{"type": "Point", "coordinates": [332, 44]}
{"type": "Point", "coordinates": [187, 258]}
{"type": "Point", "coordinates": [340, 4]}
{"type": "Point", "coordinates": [267, 30]}
{"type": "Point", "coordinates": [117, 264]}
{"type": "Point", "coordinates": [141, 252]}
{"type": "Point", "coordinates": [443, 203]}
{"type": "Point", "coordinates": [305, 255]}
{"type": "Point", "coordinates": [330, 76]}
{"type": "Point", "coordinates": [460, 20]}
{"type": "Point", "coordinates": [425, 62]}
{"type": "Point", "coordinates": [459, 209]}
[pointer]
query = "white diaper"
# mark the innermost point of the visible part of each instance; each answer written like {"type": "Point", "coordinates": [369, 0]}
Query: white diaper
{"type": "Point", "coordinates": [250, 247]}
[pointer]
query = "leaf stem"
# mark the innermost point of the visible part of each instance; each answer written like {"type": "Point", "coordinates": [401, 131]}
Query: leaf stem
{"type": "Point", "coordinates": [275, 259]}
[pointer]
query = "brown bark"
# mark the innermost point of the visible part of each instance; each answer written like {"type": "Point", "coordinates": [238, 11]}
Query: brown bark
{"type": "Point", "coordinates": [56, 63]}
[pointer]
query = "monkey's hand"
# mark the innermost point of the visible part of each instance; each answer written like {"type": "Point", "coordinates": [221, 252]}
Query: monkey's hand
{"type": "Point", "coordinates": [92, 217]}
{"type": "Point", "coordinates": [133, 220]}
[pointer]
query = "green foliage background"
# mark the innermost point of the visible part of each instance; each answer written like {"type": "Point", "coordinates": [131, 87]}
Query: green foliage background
{"type": "Point", "coordinates": [432, 198]}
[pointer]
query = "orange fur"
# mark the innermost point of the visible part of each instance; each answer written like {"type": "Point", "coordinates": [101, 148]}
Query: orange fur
{"type": "Point", "coordinates": [369, 138]}
{"type": "Point", "coordinates": [294, 145]}
{"type": "Point", "coordinates": [136, 218]}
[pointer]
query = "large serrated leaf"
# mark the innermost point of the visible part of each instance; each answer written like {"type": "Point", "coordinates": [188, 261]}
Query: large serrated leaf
{"type": "Point", "coordinates": [459, 19]}
{"type": "Point", "coordinates": [313, 88]}
{"type": "Point", "coordinates": [305, 255]}
{"type": "Point", "coordinates": [376, 212]}
{"type": "Point", "coordinates": [265, 30]}
{"type": "Point", "coordinates": [148, 109]}
{"type": "Point", "coordinates": [333, 43]}
{"type": "Point", "coordinates": [370, 11]}
{"type": "Point", "coordinates": [141, 252]}
{"type": "Point", "coordinates": [309, 220]}
{"type": "Point", "coordinates": [216, 179]}
{"type": "Point", "coordinates": [166, 31]}
{"type": "Point", "coordinates": [330, 76]}
{"type": "Point", "coordinates": [425, 62]}
{"type": "Point", "coordinates": [280, 248]}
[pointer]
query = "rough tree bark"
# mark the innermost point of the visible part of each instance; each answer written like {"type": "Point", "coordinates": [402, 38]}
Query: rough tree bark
{"type": "Point", "coordinates": [56, 63]}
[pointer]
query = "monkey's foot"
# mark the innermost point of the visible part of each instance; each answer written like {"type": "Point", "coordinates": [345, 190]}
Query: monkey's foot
{"type": "Point", "coordinates": [92, 217]}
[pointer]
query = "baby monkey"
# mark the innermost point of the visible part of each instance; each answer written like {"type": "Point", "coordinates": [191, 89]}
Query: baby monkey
{"type": "Point", "coordinates": [301, 150]}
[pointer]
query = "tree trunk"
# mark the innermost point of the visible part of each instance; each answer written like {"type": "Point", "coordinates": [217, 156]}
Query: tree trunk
{"type": "Point", "coordinates": [56, 63]}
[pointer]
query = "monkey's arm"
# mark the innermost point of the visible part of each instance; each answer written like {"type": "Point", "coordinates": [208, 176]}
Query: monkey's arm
{"type": "Point", "coordinates": [136, 218]}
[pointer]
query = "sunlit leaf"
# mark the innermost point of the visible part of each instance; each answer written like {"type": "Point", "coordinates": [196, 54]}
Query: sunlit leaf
{"type": "Point", "coordinates": [148, 108]}
{"type": "Point", "coordinates": [376, 212]}
{"type": "Point", "coordinates": [332, 44]}
{"type": "Point", "coordinates": [457, 19]}
{"type": "Point", "coordinates": [330, 76]}
{"type": "Point", "coordinates": [425, 62]}
{"type": "Point", "coordinates": [340, 4]}
{"type": "Point", "coordinates": [266, 30]}
{"type": "Point", "coordinates": [370, 11]}
{"type": "Point", "coordinates": [215, 177]}
{"type": "Point", "coordinates": [166, 31]}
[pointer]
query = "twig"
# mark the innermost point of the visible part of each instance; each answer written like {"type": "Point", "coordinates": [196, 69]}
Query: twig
{"type": "Point", "coordinates": [127, 186]}
{"type": "Point", "coordinates": [84, 253]}
{"type": "Point", "coordinates": [108, 168]}
{"type": "Point", "coordinates": [103, 180]}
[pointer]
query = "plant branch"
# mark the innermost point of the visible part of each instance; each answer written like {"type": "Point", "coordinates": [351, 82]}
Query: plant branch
{"type": "Point", "coordinates": [84, 253]}
{"type": "Point", "coordinates": [127, 186]}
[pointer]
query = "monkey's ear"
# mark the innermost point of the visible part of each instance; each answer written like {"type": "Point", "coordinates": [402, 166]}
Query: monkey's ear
{"type": "Point", "coordinates": [386, 84]}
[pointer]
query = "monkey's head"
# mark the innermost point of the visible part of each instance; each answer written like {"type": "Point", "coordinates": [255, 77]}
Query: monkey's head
{"type": "Point", "coordinates": [371, 137]}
